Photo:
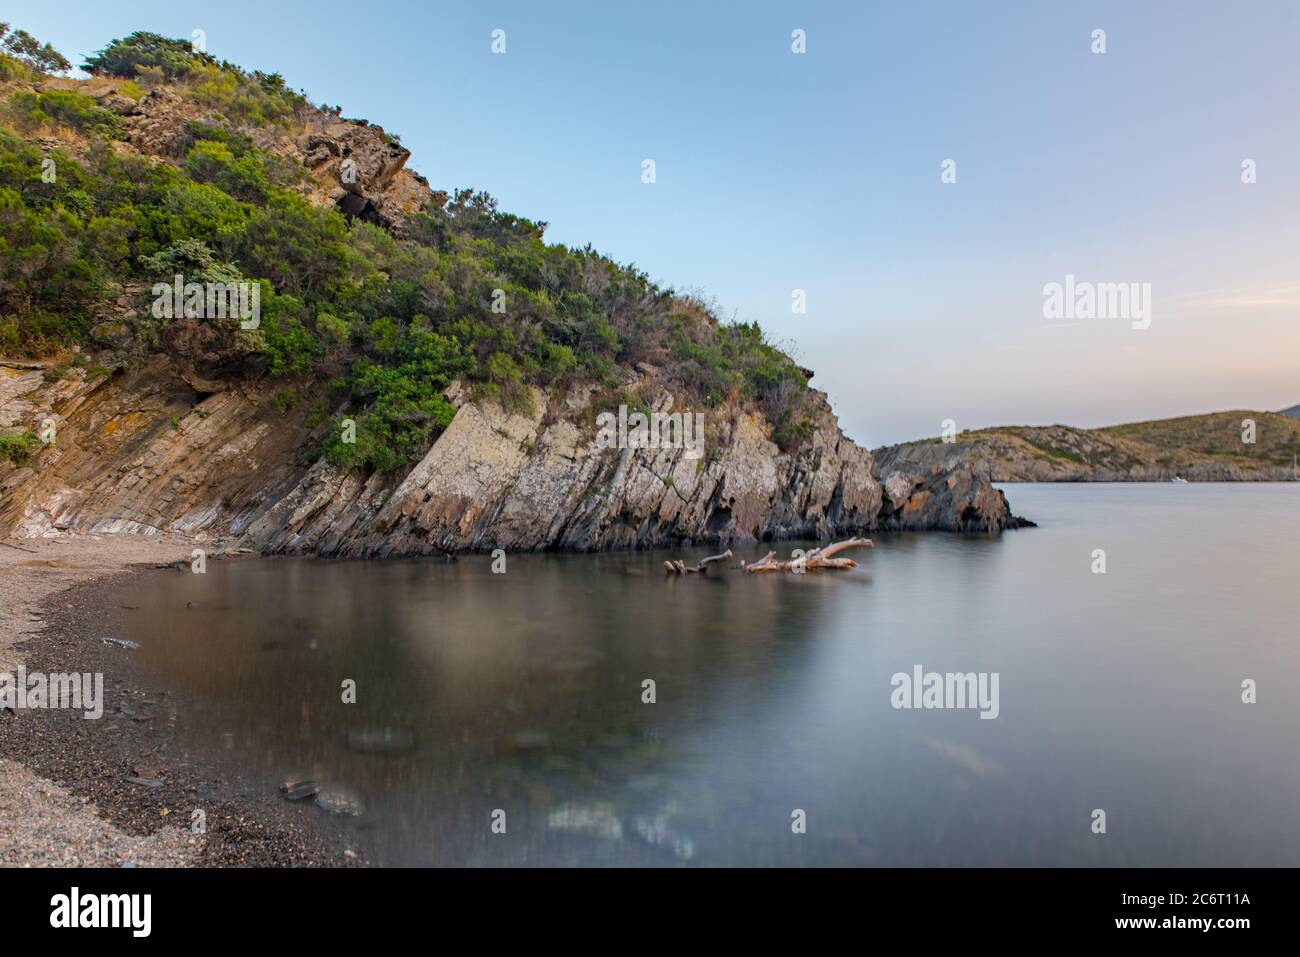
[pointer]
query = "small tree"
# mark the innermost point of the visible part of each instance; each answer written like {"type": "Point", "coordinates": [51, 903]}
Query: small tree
{"type": "Point", "coordinates": [41, 57]}
{"type": "Point", "coordinates": [143, 50]}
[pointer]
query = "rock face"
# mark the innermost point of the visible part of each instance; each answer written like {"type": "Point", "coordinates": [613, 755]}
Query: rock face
{"type": "Point", "coordinates": [189, 436]}
{"type": "Point", "coordinates": [353, 164]}
{"type": "Point", "coordinates": [364, 163]}
{"type": "Point", "coordinates": [957, 499]}
{"type": "Point", "coordinates": [142, 451]}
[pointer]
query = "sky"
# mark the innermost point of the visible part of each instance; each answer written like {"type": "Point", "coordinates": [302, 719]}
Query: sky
{"type": "Point", "coordinates": [822, 171]}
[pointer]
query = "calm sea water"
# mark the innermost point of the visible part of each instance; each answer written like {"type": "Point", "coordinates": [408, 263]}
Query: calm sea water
{"type": "Point", "coordinates": [522, 692]}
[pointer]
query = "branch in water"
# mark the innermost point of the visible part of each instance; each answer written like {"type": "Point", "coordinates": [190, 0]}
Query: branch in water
{"type": "Point", "coordinates": [681, 568]}
{"type": "Point", "coordinates": [817, 558]}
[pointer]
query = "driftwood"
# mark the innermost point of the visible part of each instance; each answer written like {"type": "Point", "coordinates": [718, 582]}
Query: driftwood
{"type": "Point", "coordinates": [823, 557]}
{"type": "Point", "coordinates": [679, 567]}
{"type": "Point", "coordinates": [817, 558]}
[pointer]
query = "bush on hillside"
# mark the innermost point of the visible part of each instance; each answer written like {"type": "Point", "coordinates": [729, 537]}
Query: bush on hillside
{"type": "Point", "coordinates": [474, 293]}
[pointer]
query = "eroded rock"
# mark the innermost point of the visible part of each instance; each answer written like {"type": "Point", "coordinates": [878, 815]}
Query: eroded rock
{"type": "Point", "coordinates": [149, 451]}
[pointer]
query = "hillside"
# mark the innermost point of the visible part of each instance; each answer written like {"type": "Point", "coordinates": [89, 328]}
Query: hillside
{"type": "Point", "coordinates": [410, 369]}
{"type": "Point", "coordinates": [1198, 448]}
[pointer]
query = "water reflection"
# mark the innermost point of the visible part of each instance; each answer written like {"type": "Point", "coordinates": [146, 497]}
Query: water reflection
{"type": "Point", "coordinates": [523, 692]}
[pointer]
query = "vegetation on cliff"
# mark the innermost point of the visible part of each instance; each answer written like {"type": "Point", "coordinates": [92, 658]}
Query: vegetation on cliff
{"type": "Point", "coordinates": [1219, 446]}
{"type": "Point", "coordinates": [389, 318]}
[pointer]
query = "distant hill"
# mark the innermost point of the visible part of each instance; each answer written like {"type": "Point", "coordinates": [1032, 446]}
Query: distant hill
{"type": "Point", "coordinates": [1294, 411]}
{"type": "Point", "coordinates": [1199, 448]}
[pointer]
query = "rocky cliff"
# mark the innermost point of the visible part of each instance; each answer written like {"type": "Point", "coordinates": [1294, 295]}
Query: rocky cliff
{"type": "Point", "coordinates": [184, 426]}
{"type": "Point", "coordinates": [138, 450]}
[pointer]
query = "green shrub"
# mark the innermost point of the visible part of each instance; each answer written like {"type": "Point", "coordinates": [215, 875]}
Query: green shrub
{"type": "Point", "coordinates": [190, 259]}
{"type": "Point", "coordinates": [20, 447]}
{"type": "Point", "coordinates": [255, 100]}
{"type": "Point", "coordinates": [125, 57]}
{"type": "Point", "coordinates": [389, 323]}
{"type": "Point", "coordinates": [282, 401]}
{"type": "Point", "coordinates": [297, 246]}
{"type": "Point", "coordinates": [67, 107]}
{"type": "Point", "coordinates": [11, 68]}
{"type": "Point", "coordinates": [9, 337]}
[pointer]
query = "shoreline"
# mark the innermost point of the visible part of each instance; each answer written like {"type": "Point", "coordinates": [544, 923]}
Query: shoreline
{"type": "Point", "coordinates": [117, 791]}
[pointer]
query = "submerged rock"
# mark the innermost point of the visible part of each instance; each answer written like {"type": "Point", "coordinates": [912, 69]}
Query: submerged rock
{"type": "Point", "coordinates": [339, 800]}
{"type": "Point", "coordinates": [657, 831]}
{"type": "Point", "coordinates": [299, 790]}
{"type": "Point", "coordinates": [595, 820]}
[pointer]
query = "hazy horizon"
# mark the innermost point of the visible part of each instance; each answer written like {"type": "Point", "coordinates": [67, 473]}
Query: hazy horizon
{"type": "Point", "coordinates": [821, 171]}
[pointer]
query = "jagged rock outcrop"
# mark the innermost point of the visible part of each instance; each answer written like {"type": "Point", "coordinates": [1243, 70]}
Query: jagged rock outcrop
{"type": "Point", "coordinates": [364, 163]}
{"type": "Point", "coordinates": [141, 451]}
{"type": "Point", "coordinates": [960, 498]}
{"type": "Point", "coordinates": [354, 164]}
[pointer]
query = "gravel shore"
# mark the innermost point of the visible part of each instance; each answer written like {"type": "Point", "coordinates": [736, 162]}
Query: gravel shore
{"type": "Point", "coordinates": [112, 791]}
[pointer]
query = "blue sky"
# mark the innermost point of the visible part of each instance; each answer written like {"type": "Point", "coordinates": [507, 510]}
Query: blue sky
{"type": "Point", "coordinates": [821, 172]}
